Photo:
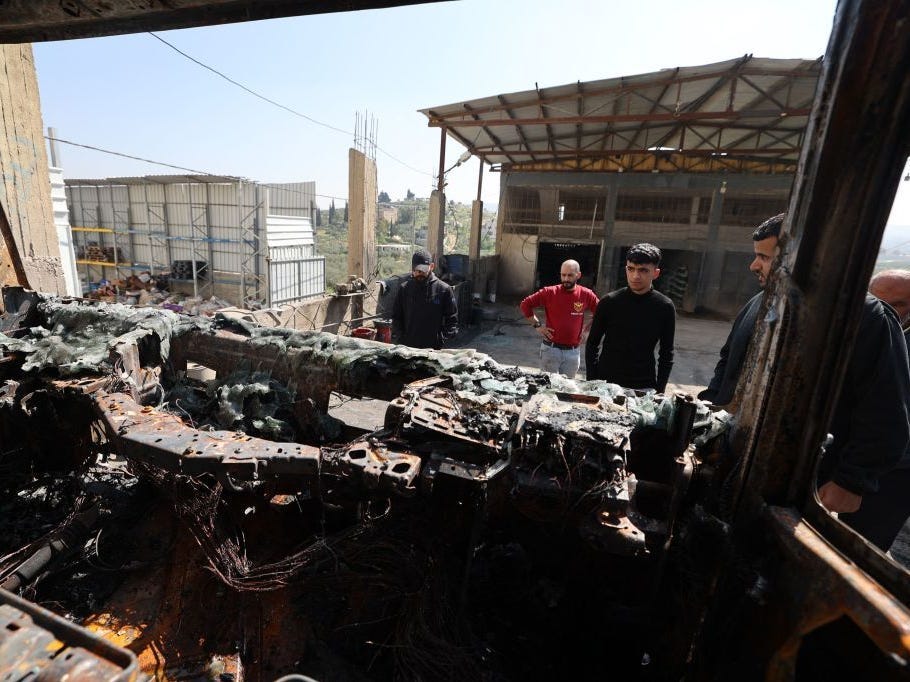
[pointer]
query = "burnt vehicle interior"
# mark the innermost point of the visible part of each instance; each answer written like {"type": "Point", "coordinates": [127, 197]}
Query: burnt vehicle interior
{"type": "Point", "coordinates": [157, 521]}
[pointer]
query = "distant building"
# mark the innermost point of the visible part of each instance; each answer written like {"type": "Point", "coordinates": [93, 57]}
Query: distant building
{"type": "Point", "coordinates": [388, 213]}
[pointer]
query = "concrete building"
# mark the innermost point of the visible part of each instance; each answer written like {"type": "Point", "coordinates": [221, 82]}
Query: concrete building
{"type": "Point", "coordinates": [388, 213]}
{"type": "Point", "coordinates": [691, 159]}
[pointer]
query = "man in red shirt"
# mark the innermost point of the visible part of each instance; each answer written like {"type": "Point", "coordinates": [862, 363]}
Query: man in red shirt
{"type": "Point", "coordinates": [565, 305]}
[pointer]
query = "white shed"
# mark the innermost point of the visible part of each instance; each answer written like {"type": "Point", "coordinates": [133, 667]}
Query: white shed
{"type": "Point", "coordinates": [249, 243]}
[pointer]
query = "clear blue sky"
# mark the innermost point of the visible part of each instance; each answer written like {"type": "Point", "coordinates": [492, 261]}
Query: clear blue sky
{"type": "Point", "coordinates": [135, 95]}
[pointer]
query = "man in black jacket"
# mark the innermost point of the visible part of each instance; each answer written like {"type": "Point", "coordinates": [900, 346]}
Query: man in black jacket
{"type": "Point", "coordinates": [726, 373]}
{"type": "Point", "coordinates": [871, 427]}
{"type": "Point", "coordinates": [425, 313]}
{"type": "Point", "coordinates": [628, 325]}
{"type": "Point", "coordinates": [882, 515]}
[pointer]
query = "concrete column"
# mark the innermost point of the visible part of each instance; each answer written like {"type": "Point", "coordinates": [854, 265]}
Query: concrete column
{"type": "Point", "coordinates": [26, 191]}
{"type": "Point", "coordinates": [712, 257]}
{"type": "Point", "coordinates": [476, 224]}
{"type": "Point", "coordinates": [436, 227]}
{"type": "Point", "coordinates": [361, 215]}
{"type": "Point", "coordinates": [609, 253]}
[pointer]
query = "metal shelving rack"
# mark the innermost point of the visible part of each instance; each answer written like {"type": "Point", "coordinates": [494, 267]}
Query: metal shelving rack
{"type": "Point", "coordinates": [160, 219]}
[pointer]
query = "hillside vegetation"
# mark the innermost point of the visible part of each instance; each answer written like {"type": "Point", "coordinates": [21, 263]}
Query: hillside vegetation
{"type": "Point", "coordinates": [410, 229]}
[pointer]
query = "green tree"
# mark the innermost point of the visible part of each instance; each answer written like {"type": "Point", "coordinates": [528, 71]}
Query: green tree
{"type": "Point", "coordinates": [384, 198]}
{"type": "Point", "coordinates": [410, 195]}
{"type": "Point", "coordinates": [345, 214]}
{"type": "Point", "coordinates": [332, 213]}
{"type": "Point", "coordinates": [318, 217]}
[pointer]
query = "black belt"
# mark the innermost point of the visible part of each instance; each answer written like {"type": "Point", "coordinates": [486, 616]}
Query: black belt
{"type": "Point", "coordinates": [560, 346]}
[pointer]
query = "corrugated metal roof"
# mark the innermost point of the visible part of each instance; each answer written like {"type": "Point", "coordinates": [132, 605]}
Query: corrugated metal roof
{"type": "Point", "coordinates": [160, 179]}
{"type": "Point", "coordinates": [746, 108]}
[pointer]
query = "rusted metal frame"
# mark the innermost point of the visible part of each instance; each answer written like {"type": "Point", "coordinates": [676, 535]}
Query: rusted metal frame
{"type": "Point", "coordinates": [623, 118]}
{"type": "Point", "coordinates": [845, 186]}
{"type": "Point", "coordinates": [11, 251]}
{"type": "Point", "coordinates": [580, 111]}
{"type": "Point", "coordinates": [704, 97]}
{"type": "Point", "coordinates": [618, 132]}
{"type": "Point", "coordinates": [486, 130]}
{"type": "Point", "coordinates": [822, 586]}
{"type": "Point", "coordinates": [766, 93]}
{"type": "Point", "coordinates": [460, 138]}
{"type": "Point", "coordinates": [654, 105]}
{"type": "Point", "coordinates": [795, 146]}
{"type": "Point", "coordinates": [765, 129]}
{"type": "Point", "coordinates": [441, 175]}
{"type": "Point", "coordinates": [688, 152]}
{"type": "Point", "coordinates": [521, 134]}
{"type": "Point", "coordinates": [691, 164]}
{"type": "Point", "coordinates": [38, 644]}
{"type": "Point", "coordinates": [543, 115]}
{"type": "Point", "coordinates": [625, 87]}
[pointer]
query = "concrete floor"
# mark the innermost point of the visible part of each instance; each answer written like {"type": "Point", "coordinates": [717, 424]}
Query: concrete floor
{"type": "Point", "coordinates": [506, 336]}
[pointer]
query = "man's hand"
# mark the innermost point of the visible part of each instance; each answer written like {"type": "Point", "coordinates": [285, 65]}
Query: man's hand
{"type": "Point", "coordinates": [837, 499]}
{"type": "Point", "coordinates": [546, 332]}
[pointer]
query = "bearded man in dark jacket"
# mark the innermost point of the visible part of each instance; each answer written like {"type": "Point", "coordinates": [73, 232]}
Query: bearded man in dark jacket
{"type": "Point", "coordinates": [871, 424]}
{"type": "Point", "coordinates": [425, 314]}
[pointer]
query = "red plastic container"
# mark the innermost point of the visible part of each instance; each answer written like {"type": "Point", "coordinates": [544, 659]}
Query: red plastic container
{"type": "Point", "coordinates": [364, 333]}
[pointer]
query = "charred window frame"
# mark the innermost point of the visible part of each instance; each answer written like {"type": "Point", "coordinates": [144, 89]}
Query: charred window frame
{"type": "Point", "coordinates": [853, 157]}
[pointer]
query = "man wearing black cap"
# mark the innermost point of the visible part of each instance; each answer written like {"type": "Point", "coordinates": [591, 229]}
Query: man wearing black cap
{"type": "Point", "coordinates": [425, 314]}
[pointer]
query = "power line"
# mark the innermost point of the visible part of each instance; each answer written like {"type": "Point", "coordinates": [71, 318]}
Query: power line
{"type": "Point", "coordinates": [183, 168]}
{"type": "Point", "coordinates": [279, 104]}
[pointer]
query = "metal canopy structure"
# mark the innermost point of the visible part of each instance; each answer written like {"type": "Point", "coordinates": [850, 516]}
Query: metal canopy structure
{"type": "Point", "coordinates": [746, 114]}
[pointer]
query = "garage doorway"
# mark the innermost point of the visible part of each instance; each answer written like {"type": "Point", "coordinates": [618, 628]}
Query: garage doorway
{"type": "Point", "coordinates": [550, 256]}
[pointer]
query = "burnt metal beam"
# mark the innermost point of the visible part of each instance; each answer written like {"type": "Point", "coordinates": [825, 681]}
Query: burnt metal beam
{"type": "Point", "coordinates": [31, 21]}
{"type": "Point", "coordinates": [146, 435]}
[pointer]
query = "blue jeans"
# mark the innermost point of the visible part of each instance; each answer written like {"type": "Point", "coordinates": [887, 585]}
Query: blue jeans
{"type": "Point", "coordinates": [564, 362]}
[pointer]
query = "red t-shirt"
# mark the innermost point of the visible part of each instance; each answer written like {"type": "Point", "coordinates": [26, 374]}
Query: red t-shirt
{"type": "Point", "coordinates": [565, 310]}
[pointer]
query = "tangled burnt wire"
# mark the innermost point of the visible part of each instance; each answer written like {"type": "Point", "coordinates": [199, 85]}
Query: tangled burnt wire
{"type": "Point", "coordinates": [200, 503]}
{"type": "Point", "coordinates": [380, 590]}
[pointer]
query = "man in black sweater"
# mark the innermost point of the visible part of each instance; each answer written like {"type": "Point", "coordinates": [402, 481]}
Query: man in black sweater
{"type": "Point", "coordinates": [425, 313]}
{"type": "Point", "coordinates": [628, 325]}
{"type": "Point", "coordinates": [871, 428]}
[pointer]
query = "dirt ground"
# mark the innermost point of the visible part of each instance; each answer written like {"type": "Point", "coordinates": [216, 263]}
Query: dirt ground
{"type": "Point", "coordinates": [506, 336]}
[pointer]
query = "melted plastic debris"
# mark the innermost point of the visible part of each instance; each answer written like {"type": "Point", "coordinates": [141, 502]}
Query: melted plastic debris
{"type": "Point", "coordinates": [79, 338]}
{"type": "Point", "coordinates": [253, 403]}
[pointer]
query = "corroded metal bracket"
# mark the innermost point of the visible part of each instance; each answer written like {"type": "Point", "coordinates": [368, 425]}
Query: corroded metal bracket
{"type": "Point", "coordinates": [37, 644]}
{"type": "Point", "coordinates": [147, 435]}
